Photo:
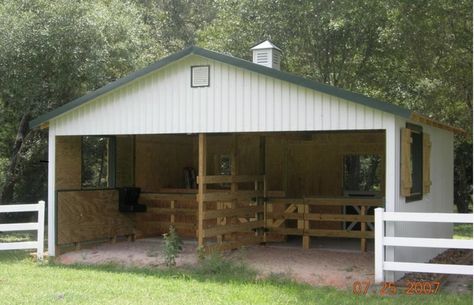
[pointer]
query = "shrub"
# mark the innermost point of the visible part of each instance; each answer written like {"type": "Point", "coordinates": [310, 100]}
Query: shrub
{"type": "Point", "coordinates": [172, 247]}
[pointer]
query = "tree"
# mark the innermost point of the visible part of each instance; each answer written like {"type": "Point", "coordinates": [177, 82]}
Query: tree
{"type": "Point", "coordinates": [51, 53]}
{"type": "Point", "coordinates": [417, 54]}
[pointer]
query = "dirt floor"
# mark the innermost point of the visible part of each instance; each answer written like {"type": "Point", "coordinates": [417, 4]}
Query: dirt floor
{"type": "Point", "coordinates": [318, 267]}
{"type": "Point", "coordinates": [331, 262]}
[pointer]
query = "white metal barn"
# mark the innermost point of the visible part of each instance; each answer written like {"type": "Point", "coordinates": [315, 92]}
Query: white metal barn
{"type": "Point", "coordinates": [233, 152]}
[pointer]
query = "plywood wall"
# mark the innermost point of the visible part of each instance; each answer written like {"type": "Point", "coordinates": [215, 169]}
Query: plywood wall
{"type": "Point", "coordinates": [90, 215]}
{"type": "Point", "coordinates": [299, 164]}
{"type": "Point", "coordinates": [125, 150]}
{"type": "Point", "coordinates": [68, 163]}
{"type": "Point", "coordinates": [160, 160]}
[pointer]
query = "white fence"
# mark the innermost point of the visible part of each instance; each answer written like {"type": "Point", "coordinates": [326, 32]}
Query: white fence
{"type": "Point", "coordinates": [381, 241]}
{"type": "Point", "coordinates": [28, 226]}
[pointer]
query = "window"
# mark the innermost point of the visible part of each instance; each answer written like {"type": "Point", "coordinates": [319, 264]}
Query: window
{"type": "Point", "coordinates": [98, 162]}
{"type": "Point", "coordinates": [200, 76]}
{"type": "Point", "coordinates": [415, 163]}
{"type": "Point", "coordinates": [362, 173]}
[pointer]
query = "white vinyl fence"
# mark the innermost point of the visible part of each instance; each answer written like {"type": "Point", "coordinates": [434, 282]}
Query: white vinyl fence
{"type": "Point", "coordinates": [381, 241]}
{"type": "Point", "coordinates": [28, 226]}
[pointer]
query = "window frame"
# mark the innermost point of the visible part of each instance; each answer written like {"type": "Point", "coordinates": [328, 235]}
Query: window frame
{"type": "Point", "coordinates": [208, 76]}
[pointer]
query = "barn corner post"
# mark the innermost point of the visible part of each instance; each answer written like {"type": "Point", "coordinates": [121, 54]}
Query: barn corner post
{"type": "Point", "coordinates": [201, 186]}
{"type": "Point", "coordinates": [392, 184]}
{"type": "Point", "coordinates": [51, 193]}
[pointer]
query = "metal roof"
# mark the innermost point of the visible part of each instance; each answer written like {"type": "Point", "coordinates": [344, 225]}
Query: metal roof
{"type": "Point", "coordinates": [267, 44]}
{"type": "Point", "coordinates": [331, 90]}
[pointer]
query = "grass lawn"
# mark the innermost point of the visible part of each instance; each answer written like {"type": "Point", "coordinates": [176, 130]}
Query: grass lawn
{"type": "Point", "coordinates": [462, 231]}
{"type": "Point", "coordinates": [23, 281]}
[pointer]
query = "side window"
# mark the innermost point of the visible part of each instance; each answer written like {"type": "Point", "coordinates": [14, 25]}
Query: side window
{"type": "Point", "coordinates": [98, 162]}
{"type": "Point", "coordinates": [415, 163]}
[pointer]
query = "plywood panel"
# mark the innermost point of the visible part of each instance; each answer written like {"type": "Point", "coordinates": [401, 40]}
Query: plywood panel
{"type": "Point", "coordinates": [161, 159]}
{"type": "Point", "coordinates": [68, 163]}
{"type": "Point", "coordinates": [90, 215]}
{"type": "Point", "coordinates": [124, 175]}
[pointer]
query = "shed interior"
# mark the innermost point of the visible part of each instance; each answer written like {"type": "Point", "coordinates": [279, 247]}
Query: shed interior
{"type": "Point", "coordinates": [257, 187]}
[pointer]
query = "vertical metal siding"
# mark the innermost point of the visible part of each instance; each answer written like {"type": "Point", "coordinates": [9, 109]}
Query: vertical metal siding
{"type": "Point", "coordinates": [440, 199]}
{"type": "Point", "coordinates": [237, 100]}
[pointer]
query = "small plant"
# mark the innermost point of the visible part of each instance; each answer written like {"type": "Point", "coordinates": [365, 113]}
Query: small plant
{"type": "Point", "coordinates": [201, 253]}
{"type": "Point", "coordinates": [172, 247]}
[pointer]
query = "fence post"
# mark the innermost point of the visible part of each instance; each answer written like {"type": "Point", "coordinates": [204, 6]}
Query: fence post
{"type": "Point", "coordinates": [379, 255]}
{"type": "Point", "coordinates": [40, 249]}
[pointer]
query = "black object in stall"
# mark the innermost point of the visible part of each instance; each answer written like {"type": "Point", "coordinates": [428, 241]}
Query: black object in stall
{"type": "Point", "coordinates": [128, 200]}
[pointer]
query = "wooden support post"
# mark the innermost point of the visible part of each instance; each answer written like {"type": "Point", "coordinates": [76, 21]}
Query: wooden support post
{"type": "Point", "coordinates": [201, 187]}
{"type": "Point", "coordinates": [172, 216]}
{"type": "Point", "coordinates": [363, 227]}
{"type": "Point", "coordinates": [301, 226]}
{"type": "Point", "coordinates": [306, 238]}
{"type": "Point", "coordinates": [113, 240]}
{"type": "Point", "coordinates": [234, 169]}
{"type": "Point", "coordinates": [220, 221]}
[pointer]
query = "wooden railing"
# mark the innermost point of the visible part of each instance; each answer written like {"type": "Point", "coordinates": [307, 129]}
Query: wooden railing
{"type": "Point", "coordinates": [232, 217]}
{"type": "Point", "coordinates": [163, 210]}
{"type": "Point", "coordinates": [299, 209]}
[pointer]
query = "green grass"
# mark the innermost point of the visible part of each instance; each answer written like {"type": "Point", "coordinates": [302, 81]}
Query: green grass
{"type": "Point", "coordinates": [216, 281]}
{"type": "Point", "coordinates": [462, 231]}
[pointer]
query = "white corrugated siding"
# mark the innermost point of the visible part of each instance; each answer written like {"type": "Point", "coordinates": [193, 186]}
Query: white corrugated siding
{"type": "Point", "coordinates": [440, 199]}
{"type": "Point", "coordinates": [237, 100]}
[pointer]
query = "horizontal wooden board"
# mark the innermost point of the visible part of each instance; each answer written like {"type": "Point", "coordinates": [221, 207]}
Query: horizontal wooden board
{"type": "Point", "coordinates": [340, 233]}
{"type": "Point", "coordinates": [229, 196]}
{"type": "Point", "coordinates": [232, 228]}
{"type": "Point", "coordinates": [229, 179]}
{"type": "Point", "coordinates": [168, 197]}
{"type": "Point", "coordinates": [339, 217]}
{"type": "Point", "coordinates": [273, 200]}
{"type": "Point", "coordinates": [279, 216]}
{"type": "Point", "coordinates": [344, 201]}
{"type": "Point", "coordinates": [236, 212]}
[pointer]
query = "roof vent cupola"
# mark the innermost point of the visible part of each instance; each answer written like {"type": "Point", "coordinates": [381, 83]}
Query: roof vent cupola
{"type": "Point", "coordinates": [267, 54]}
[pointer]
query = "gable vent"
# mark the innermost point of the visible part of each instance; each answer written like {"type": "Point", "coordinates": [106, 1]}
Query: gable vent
{"type": "Point", "coordinates": [200, 76]}
{"type": "Point", "coordinates": [267, 54]}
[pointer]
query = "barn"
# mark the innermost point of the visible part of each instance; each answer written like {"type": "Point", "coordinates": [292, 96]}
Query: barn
{"type": "Point", "coordinates": [232, 152]}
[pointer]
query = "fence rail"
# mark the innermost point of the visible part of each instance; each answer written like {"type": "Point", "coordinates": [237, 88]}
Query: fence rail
{"type": "Point", "coordinates": [381, 241]}
{"type": "Point", "coordinates": [27, 226]}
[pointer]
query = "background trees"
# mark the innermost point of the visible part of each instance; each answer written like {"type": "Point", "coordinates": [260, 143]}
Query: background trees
{"type": "Point", "coordinates": [417, 54]}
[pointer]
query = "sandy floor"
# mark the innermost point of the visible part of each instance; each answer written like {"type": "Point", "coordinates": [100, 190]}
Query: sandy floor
{"type": "Point", "coordinates": [314, 266]}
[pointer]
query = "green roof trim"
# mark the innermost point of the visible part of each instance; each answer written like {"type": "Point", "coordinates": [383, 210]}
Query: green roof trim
{"type": "Point", "coordinates": [238, 62]}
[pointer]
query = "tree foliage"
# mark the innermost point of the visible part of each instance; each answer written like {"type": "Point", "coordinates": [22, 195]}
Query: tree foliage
{"type": "Point", "coordinates": [417, 54]}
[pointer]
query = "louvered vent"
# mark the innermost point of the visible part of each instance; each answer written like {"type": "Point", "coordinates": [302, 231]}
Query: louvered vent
{"type": "Point", "coordinates": [200, 76]}
{"type": "Point", "coordinates": [262, 58]}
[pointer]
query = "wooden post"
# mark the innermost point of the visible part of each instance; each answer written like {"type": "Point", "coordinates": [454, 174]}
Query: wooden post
{"type": "Point", "coordinates": [379, 234]}
{"type": "Point", "coordinates": [306, 238]}
{"type": "Point", "coordinates": [363, 227]}
{"type": "Point", "coordinates": [302, 226]}
{"type": "Point", "coordinates": [234, 169]}
{"type": "Point", "coordinates": [201, 187]}
{"type": "Point", "coordinates": [172, 216]}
